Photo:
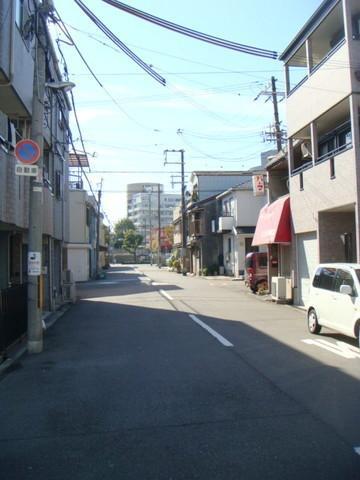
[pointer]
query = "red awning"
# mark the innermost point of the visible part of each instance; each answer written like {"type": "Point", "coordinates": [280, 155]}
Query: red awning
{"type": "Point", "coordinates": [273, 225]}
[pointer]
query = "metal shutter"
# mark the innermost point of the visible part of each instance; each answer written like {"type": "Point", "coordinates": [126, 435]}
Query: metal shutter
{"type": "Point", "coordinates": [307, 247]}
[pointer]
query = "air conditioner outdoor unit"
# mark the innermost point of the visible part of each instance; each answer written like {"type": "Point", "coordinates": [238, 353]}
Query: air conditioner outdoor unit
{"type": "Point", "coordinates": [281, 289]}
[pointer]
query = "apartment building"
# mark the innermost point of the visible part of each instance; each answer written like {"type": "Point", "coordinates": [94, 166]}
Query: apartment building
{"type": "Point", "coordinates": [16, 92]}
{"type": "Point", "coordinates": [142, 207]}
{"type": "Point", "coordinates": [322, 66]}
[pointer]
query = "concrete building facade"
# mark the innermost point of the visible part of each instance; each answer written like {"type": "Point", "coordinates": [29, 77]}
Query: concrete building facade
{"type": "Point", "coordinates": [323, 105]}
{"type": "Point", "coordinates": [17, 40]}
{"type": "Point", "coordinates": [142, 207]}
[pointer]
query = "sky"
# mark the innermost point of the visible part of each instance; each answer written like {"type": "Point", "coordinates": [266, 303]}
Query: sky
{"type": "Point", "coordinates": [207, 107]}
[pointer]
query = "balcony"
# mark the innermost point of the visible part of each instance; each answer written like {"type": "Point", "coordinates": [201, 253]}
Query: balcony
{"type": "Point", "coordinates": [226, 224]}
{"type": "Point", "coordinates": [196, 228]}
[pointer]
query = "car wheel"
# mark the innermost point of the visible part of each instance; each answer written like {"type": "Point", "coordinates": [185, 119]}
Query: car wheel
{"type": "Point", "coordinates": [262, 286]}
{"type": "Point", "coordinates": [312, 321]}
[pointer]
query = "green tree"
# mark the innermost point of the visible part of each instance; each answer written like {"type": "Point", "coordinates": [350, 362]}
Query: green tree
{"type": "Point", "coordinates": [132, 241]}
{"type": "Point", "coordinates": [120, 228]}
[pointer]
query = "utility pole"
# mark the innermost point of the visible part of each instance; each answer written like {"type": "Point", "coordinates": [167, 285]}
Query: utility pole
{"type": "Point", "coordinates": [273, 94]}
{"type": "Point", "coordinates": [35, 329]}
{"type": "Point", "coordinates": [183, 226]}
{"type": "Point", "coordinates": [276, 114]}
{"type": "Point", "coordinates": [150, 228]}
{"type": "Point", "coordinates": [159, 228]}
{"type": "Point", "coordinates": [183, 207]}
{"type": "Point", "coordinates": [98, 230]}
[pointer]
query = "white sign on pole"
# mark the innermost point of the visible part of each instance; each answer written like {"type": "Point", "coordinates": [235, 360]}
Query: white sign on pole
{"type": "Point", "coordinates": [258, 185]}
{"type": "Point", "coordinates": [34, 263]}
{"type": "Point", "coordinates": [26, 170]}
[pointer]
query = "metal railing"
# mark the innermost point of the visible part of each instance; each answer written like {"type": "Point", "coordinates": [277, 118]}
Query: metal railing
{"type": "Point", "coordinates": [13, 315]}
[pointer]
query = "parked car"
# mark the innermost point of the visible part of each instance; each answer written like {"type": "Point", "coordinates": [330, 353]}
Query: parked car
{"type": "Point", "coordinates": [256, 271]}
{"type": "Point", "coordinates": [334, 299]}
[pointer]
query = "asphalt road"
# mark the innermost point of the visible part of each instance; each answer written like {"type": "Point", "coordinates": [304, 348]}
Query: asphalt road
{"type": "Point", "coordinates": [152, 375]}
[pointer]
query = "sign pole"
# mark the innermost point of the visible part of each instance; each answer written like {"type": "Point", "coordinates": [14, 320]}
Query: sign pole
{"type": "Point", "coordinates": [35, 331]}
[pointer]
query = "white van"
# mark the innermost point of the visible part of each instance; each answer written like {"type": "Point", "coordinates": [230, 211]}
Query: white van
{"type": "Point", "coordinates": [334, 299]}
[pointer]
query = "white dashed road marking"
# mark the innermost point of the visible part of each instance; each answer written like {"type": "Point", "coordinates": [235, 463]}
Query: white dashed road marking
{"type": "Point", "coordinates": [212, 332]}
{"type": "Point", "coordinates": [166, 295]}
{"type": "Point", "coordinates": [338, 348]}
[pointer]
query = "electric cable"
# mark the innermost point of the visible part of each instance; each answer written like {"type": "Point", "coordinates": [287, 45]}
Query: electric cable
{"type": "Point", "coordinates": [58, 20]}
{"type": "Point", "coordinates": [261, 52]}
{"type": "Point", "coordinates": [120, 44]}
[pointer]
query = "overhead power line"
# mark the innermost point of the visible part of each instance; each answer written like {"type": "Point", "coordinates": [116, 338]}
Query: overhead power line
{"type": "Point", "coordinates": [120, 44]}
{"type": "Point", "coordinates": [260, 52]}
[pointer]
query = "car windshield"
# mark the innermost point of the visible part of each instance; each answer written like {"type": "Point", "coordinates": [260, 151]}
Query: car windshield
{"type": "Point", "coordinates": [357, 271]}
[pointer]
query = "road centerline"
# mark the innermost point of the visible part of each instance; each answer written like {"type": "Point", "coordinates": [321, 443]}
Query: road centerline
{"type": "Point", "coordinates": [166, 295]}
{"type": "Point", "coordinates": [210, 330]}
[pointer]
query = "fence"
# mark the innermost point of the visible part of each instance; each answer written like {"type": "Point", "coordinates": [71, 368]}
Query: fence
{"type": "Point", "coordinates": [13, 315]}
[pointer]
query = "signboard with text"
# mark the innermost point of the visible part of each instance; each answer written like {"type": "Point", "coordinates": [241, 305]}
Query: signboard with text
{"type": "Point", "coordinates": [34, 263]}
{"type": "Point", "coordinates": [258, 185]}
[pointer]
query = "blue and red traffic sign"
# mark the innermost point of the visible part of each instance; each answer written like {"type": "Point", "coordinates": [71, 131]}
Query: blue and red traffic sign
{"type": "Point", "coordinates": [27, 151]}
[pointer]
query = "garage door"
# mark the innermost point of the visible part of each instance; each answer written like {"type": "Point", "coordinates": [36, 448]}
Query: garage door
{"type": "Point", "coordinates": [307, 260]}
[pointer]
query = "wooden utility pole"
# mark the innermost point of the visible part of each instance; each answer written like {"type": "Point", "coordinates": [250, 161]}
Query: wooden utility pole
{"type": "Point", "coordinates": [276, 114]}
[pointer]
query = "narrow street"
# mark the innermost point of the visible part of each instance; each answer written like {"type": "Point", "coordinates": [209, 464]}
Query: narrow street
{"type": "Point", "coordinates": [152, 375]}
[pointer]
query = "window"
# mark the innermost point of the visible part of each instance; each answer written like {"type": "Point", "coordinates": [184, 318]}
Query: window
{"type": "Point", "coordinates": [229, 245]}
{"type": "Point", "coordinates": [316, 280]}
{"type": "Point", "coordinates": [228, 207]}
{"type": "Point", "coordinates": [335, 141]}
{"type": "Point", "coordinates": [326, 280]}
{"type": "Point", "coordinates": [263, 260]}
{"type": "Point", "coordinates": [344, 277]}
{"type": "Point", "coordinates": [356, 27]}
{"type": "Point", "coordinates": [19, 13]}
{"type": "Point", "coordinates": [332, 167]}
{"type": "Point", "coordinates": [58, 184]}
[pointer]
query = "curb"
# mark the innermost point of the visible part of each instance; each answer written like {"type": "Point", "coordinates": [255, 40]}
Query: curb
{"type": "Point", "coordinates": [21, 349]}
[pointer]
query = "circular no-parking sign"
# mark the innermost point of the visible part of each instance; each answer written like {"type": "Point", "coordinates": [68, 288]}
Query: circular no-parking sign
{"type": "Point", "coordinates": [27, 151]}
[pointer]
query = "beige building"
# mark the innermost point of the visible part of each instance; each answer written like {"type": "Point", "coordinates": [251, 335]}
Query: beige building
{"type": "Point", "coordinates": [81, 249]}
{"type": "Point", "coordinates": [322, 66]}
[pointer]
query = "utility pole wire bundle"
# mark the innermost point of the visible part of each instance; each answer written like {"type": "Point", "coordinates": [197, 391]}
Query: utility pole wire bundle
{"type": "Point", "coordinates": [120, 44]}
{"type": "Point", "coordinates": [260, 52]}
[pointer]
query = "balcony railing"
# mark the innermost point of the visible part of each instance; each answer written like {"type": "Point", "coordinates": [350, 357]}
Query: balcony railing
{"type": "Point", "coordinates": [226, 223]}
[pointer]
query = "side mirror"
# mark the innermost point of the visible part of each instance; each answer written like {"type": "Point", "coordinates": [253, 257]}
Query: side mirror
{"type": "Point", "coordinates": [346, 290]}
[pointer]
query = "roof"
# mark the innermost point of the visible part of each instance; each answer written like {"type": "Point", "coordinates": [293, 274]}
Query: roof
{"type": "Point", "coordinates": [78, 160]}
{"type": "Point", "coordinates": [199, 203]}
{"type": "Point", "coordinates": [339, 265]}
{"type": "Point", "coordinates": [308, 28]}
{"type": "Point", "coordinates": [278, 158]}
{"type": "Point", "coordinates": [238, 188]}
{"type": "Point", "coordinates": [209, 173]}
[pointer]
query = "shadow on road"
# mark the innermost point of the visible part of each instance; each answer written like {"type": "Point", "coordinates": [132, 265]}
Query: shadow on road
{"type": "Point", "coordinates": [119, 281]}
{"type": "Point", "coordinates": [136, 392]}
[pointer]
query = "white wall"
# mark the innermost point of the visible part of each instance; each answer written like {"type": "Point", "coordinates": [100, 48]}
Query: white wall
{"type": "Point", "coordinates": [247, 208]}
{"type": "Point", "coordinates": [78, 263]}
